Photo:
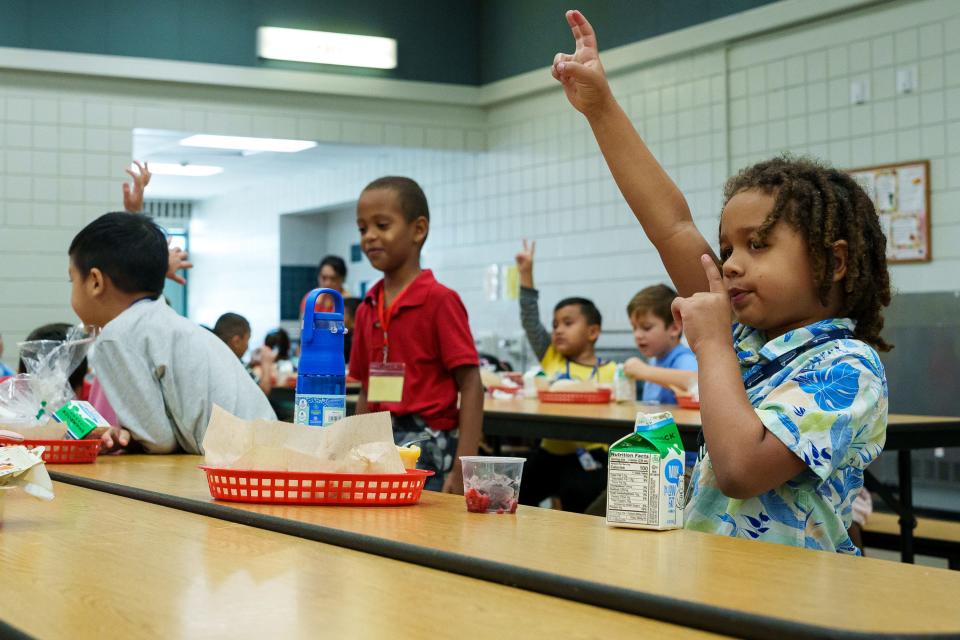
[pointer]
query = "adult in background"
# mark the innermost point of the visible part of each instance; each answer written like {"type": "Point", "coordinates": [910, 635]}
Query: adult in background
{"type": "Point", "coordinates": [330, 275]}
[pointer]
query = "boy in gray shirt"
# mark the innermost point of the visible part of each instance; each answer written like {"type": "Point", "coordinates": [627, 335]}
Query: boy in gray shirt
{"type": "Point", "coordinates": [161, 373]}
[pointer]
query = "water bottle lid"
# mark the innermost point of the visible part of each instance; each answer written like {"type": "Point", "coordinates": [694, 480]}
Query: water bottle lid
{"type": "Point", "coordinates": [310, 314]}
{"type": "Point", "coordinates": [321, 348]}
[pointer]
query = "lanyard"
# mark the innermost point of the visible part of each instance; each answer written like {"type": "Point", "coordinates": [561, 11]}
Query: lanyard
{"type": "Point", "coordinates": [593, 374]}
{"type": "Point", "coordinates": [775, 366]}
{"type": "Point", "coordinates": [385, 317]}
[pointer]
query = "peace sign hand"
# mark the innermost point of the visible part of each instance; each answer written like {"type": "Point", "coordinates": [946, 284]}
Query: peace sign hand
{"type": "Point", "coordinates": [525, 263]}
{"type": "Point", "coordinates": [705, 316]}
{"type": "Point", "coordinates": [525, 257]}
{"type": "Point", "coordinates": [581, 73]}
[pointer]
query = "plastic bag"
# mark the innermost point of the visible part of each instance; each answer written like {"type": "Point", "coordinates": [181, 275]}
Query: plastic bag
{"type": "Point", "coordinates": [30, 399]}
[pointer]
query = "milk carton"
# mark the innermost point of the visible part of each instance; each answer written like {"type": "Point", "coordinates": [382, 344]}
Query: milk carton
{"type": "Point", "coordinates": [645, 476]}
{"type": "Point", "coordinates": [80, 418]}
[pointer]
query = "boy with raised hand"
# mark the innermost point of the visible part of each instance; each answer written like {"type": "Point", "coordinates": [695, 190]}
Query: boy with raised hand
{"type": "Point", "coordinates": [795, 404]}
{"type": "Point", "coordinates": [133, 202]}
{"type": "Point", "coordinates": [571, 471]}
{"type": "Point", "coordinates": [412, 348]}
{"type": "Point", "coordinates": [161, 372]}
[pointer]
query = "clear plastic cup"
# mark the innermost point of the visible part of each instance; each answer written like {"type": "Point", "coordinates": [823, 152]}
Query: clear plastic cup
{"type": "Point", "coordinates": [491, 484]}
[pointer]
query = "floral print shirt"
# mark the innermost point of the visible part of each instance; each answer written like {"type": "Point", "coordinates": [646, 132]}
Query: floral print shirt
{"type": "Point", "coordinates": [828, 405]}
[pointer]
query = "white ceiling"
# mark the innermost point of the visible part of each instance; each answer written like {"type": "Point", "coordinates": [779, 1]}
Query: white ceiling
{"type": "Point", "coordinates": [239, 170]}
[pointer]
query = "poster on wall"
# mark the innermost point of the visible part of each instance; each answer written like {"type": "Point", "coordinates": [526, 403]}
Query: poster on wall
{"type": "Point", "coordinates": [901, 195]}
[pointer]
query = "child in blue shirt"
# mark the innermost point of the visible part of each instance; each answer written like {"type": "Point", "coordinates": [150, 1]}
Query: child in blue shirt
{"type": "Point", "coordinates": [657, 334]}
{"type": "Point", "coordinates": [794, 399]}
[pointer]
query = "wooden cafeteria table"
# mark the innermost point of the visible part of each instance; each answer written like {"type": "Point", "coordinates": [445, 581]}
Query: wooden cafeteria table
{"type": "Point", "coordinates": [609, 422]}
{"type": "Point", "coordinates": [716, 583]}
{"type": "Point", "coordinates": [95, 565]}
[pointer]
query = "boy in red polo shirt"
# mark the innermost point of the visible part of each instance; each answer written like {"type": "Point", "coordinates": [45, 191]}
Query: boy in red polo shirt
{"type": "Point", "coordinates": [412, 347]}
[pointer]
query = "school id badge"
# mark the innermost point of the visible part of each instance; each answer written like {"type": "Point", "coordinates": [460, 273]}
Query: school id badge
{"type": "Point", "coordinates": [386, 382]}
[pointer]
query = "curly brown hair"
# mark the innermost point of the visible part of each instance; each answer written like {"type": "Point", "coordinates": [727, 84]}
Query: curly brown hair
{"type": "Point", "coordinates": [827, 205]}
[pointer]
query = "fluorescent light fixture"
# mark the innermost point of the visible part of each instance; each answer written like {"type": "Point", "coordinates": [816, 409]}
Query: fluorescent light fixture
{"type": "Point", "coordinates": [324, 47]}
{"type": "Point", "coordinates": [240, 143]}
{"type": "Point", "coordinates": [186, 170]}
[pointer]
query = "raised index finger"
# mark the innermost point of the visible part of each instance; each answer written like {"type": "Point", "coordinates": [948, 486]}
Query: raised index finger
{"type": "Point", "coordinates": [582, 31]}
{"type": "Point", "coordinates": [714, 279]}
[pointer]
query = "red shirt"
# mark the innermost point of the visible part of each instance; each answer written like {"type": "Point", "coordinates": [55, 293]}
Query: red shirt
{"type": "Point", "coordinates": [430, 334]}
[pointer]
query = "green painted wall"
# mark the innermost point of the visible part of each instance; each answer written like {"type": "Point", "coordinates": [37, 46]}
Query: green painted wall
{"type": "Point", "coordinates": [522, 35]}
{"type": "Point", "coordinates": [453, 41]}
{"type": "Point", "coordinates": [438, 40]}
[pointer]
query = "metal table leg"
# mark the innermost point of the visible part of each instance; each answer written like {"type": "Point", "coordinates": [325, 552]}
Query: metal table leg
{"type": "Point", "coordinates": [907, 521]}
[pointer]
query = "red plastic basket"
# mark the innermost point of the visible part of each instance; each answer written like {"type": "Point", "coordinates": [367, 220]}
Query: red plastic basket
{"type": "Point", "coordinates": [297, 487]}
{"type": "Point", "coordinates": [511, 390]}
{"type": "Point", "coordinates": [65, 451]}
{"type": "Point", "coordinates": [600, 396]}
{"type": "Point", "coordinates": [687, 402]}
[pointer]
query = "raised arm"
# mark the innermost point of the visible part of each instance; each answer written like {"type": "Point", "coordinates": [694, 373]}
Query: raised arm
{"type": "Point", "coordinates": [651, 194]}
{"type": "Point", "coordinates": [537, 334]}
{"type": "Point", "coordinates": [133, 195]}
{"type": "Point", "coordinates": [133, 203]}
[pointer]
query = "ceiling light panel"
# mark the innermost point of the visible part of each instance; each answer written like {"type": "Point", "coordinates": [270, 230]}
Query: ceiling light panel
{"type": "Point", "coordinates": [240, 143]}
{"type": "Point", "coordinates": [324, 47]}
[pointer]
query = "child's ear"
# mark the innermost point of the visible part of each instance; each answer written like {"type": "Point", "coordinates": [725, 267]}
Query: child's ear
{"type": "Point", "coordinates": [421, 226]}
{"type": "Point", "coordinates": [840, 255]}
{"type": "Point", "coordinates": [593, 332]}
{"type": "Point", "coordinates": [95, 283]}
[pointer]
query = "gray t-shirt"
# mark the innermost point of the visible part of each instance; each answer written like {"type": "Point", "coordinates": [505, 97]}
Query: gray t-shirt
{"type": "Point", "coordinates": [162, 374]}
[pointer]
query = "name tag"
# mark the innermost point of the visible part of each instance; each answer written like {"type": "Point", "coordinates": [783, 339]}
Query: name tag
{"type": "Point", "coordinates": [386, 382]}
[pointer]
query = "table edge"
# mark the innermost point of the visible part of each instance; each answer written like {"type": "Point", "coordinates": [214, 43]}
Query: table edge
{"type": "Point", "coordinates": [685, 613]}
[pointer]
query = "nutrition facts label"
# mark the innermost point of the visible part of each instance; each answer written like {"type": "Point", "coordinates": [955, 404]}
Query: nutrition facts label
{"type": "Point", "coordinates": [633, 488]}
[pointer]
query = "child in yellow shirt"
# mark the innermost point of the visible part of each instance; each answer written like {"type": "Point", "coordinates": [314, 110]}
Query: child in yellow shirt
{"type": "Point", "coordinates": [573, 472]}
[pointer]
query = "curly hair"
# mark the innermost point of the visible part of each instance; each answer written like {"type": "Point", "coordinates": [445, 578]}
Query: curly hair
{"type": "Point", "coordinates": [826, 205]}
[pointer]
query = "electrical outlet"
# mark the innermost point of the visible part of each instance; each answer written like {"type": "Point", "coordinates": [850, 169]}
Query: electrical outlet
{"type": "Point", "coordinates": [906, 80]}
{"type": "Point", "coordinates": [859, 91]}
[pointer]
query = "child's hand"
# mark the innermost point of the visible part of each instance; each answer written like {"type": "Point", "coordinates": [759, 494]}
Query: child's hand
{"type": "Point", "coordinates": [635, 368]}
{"type": "Point", "coordinates": [133, 196]}
{"type": "Point", "coordinates": [453, 482]}
{"type": "Point", "coordinates": [581, 73]}
{"type": "Point", "coordinates": [525, 264]}
{"type": "Point", "coordinates": [705, 316]}
{"type": "Point", "coordinates": [266, 356]}
{"type": "Point", "coordinates": [113, 439]}
{"type": "Point", "coordinates": [177, 260]}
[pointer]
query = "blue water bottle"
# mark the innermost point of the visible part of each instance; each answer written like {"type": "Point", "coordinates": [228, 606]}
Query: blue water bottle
{"type": "Point", "coordinates": [321, 381]}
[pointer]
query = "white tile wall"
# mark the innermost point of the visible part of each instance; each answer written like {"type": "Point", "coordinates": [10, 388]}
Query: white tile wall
{"type": "Point", "coordinates": [65, 145]}
{"type": "Point", "coordinates": [887, 128]}
{"type": "Point", "coordinates": [705, 115]}
{"type": "Point", "coordinates": [302, 239]}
